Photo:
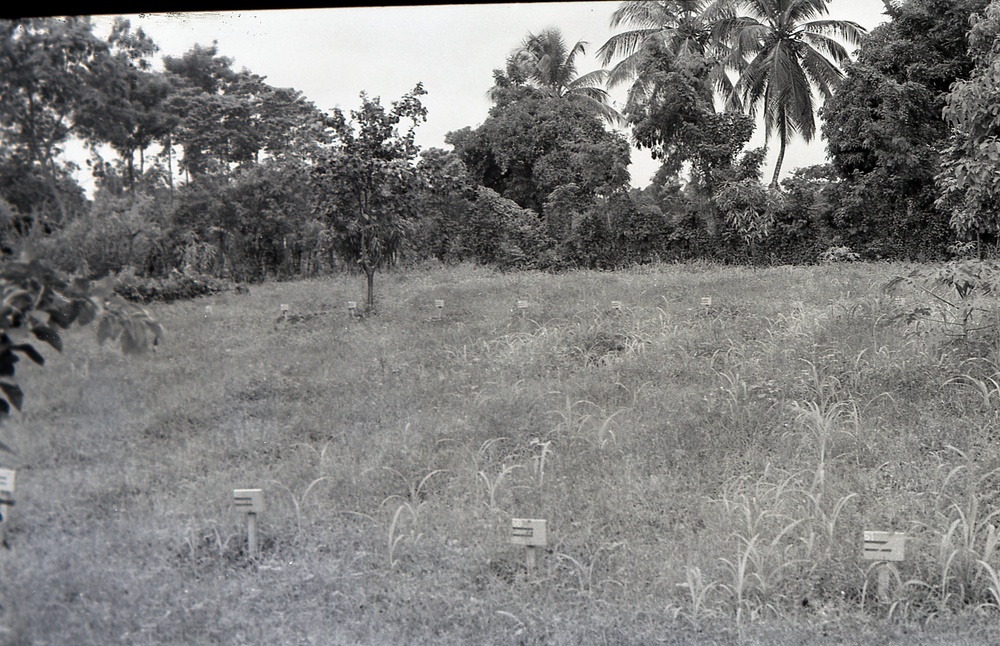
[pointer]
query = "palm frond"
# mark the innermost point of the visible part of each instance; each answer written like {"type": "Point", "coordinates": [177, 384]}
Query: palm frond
{"type": "Point", "coordinates": [846, 30]}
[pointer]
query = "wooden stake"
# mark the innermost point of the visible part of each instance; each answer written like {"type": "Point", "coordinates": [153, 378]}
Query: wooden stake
{"type": "Point", "coordinates": [252, 534]}
{"type": "Point", "coordinates": [532, 533]}
{"type": "Point", "coordinates": [252, 502]}
{"type": "Point", "coordinates": [883, 583]}
{"type": "Point", "coordinates": [884, 547]}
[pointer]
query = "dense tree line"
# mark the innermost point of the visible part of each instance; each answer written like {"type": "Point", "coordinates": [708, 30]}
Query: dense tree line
{"type": "Point", "coordinates": [203, 169]}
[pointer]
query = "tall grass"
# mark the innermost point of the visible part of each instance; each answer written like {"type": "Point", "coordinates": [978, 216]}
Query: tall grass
{"type": "Point", "coordinates": [706, 474]}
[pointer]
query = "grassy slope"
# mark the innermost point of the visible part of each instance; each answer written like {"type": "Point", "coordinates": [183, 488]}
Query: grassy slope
{"type": "Point", "coordinates": [706, 476]}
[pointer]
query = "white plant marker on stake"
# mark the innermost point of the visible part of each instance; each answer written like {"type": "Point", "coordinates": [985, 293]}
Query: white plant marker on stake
{"type": "Point", "coordinates": [352, 307]}
{"type": "Point", "coordinates": [531, 533]}
{"type": "Point", "coordinates": [439, 304]}
{"type": "Point", "coordinates": [208, 311]}
{"type": "Point", "coordinates": [6, 498]}
{"type": "Point", "coordinates": [884, 546]}
{"type": "Point", "coordinates": [616, 305]}
{"type": "Point", "coordinates": [523, 306]}
{"type": "Point", "coordinates": [250, 501]}
{"type": "Point", "coordinates": [706, 301]}
{"type": "Point", "coordinates": [285, 308]}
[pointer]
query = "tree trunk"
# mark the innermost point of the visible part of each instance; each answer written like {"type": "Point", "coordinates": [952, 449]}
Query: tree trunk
{"type": "Point", "coordinates": [777, 165]}
{"type": "Point", "coordinates": [370, 275]}
{"type": "Point", "coordinates": [782, 139]}
{"type": "Point", "coordinates": [49, 165]}
{"type": "Point", "coordinates": [170, 168]}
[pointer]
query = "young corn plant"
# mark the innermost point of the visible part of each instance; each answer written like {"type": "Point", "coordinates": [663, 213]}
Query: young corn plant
{"type": "Point", "coordinates": [965, 532]}
{"type": "Point", "coordinates": [585, 572]}
{"type": "Point", "coordinates": [698, 591]}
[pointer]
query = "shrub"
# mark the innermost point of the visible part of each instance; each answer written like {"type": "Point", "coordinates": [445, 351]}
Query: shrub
{"type": "Point", "coordinates": [177, 286]}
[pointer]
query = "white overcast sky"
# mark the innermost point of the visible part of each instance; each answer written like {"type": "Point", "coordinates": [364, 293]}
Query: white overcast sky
{"type": "Point", "coordinates": [331, 55]}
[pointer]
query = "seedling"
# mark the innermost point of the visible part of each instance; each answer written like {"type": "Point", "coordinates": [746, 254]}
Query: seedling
{"type": "Point", "coordinates": [6, 497]}
{"type": "Point", "coordinates": [251, 501]}
{"type": "Point", "coordinates": [883, 547]}
{"type": "Point", "coordinates": [532, 534]}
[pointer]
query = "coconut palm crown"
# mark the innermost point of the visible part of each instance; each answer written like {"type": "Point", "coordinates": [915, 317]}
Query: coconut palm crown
{"type": "Point", "coordinates": [782, 53]}
{"type": "Point", "coordinates": [545, 63]}
{"type": "Point", "coordinates": [676, 28]}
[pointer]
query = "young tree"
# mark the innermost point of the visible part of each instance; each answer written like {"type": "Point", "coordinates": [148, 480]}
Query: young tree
{"type": "Point", "coordinates": [366, 186]}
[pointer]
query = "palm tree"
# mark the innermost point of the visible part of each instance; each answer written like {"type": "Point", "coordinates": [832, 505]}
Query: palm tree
{"type": "Point", "coordinates": [676, 28]}
{"type": "Point", "coordinates": [782, 53]}
{"type": "Point", "coordinates": [545, 62]}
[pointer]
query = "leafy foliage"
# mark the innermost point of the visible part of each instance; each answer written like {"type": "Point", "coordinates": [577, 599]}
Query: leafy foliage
{"type": "Point", "coordinates": [969, 180]}
{"type": "Point", "coordinates": [37, 302]}
{"type": "Point", "coordinates": [366, 186]}
{"type": "Point", "coordinates": [961, 297]}
{"type": "Point", "coordinates": [884, 128]}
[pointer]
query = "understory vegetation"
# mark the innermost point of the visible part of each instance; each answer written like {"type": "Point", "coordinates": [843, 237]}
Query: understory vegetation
{"type": "Point", "coordinates": [706, 472]}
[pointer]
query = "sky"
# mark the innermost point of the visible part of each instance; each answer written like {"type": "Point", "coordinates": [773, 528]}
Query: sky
{"type": "Point", "coordinates": [332, 55]}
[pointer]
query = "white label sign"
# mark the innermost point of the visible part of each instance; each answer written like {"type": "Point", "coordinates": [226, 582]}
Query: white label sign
{"type": "Point", "coordinates": [707, 301]}
{"type": "Point", "coordinates": [616, 305]}
{"type": "Point", "coordinates": [522, 305]}
{"type": "Point", "coordinates": [439, 304]}
{"type": "Point", "coordinates": [250, 501]}
{"type": "Point", "coordinates": [6, 481]}
{"type": "Point", "coordinates": [884, 546]}
{"type": "Point", "coordinates": [527, 531]}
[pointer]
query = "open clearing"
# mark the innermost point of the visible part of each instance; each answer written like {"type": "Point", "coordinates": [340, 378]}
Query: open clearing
{"type": "Point", "coordinates": [706, 473]}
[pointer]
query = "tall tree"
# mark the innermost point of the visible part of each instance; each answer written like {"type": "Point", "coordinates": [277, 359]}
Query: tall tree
{"type": "Point", "coordinates": [365, 187]}
{"type": "Point", "coordinates": [45, 67]}
{"type": "Point", "coordinates": [969, 179]}
{"type": "Point", "coordinates": [546, 64]}
{"type": "Point", "coordinates": [124, 105]}
{"type": "Point", "coordinates": [671, 28]}
{"type": "Point", "coordinates": [782, 52]}
{"type": "Point", "coordinates": [884, 128]}
{"type": "Point", "coordinates": [526, 150]}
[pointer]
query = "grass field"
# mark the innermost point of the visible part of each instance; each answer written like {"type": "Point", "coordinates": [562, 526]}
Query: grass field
{"type": "Point", "coordinates": [706, 473]}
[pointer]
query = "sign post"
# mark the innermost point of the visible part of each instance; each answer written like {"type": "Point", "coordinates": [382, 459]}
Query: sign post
{"type": "Point", "coordinates": [532, 534]}
{"type": "Point", "coordinates": [6, 498]}
{"type": "Point", "coordinates": [884, 547]}
{"type": "Point", "coordinates": [352, 307]}
{"type": "Point", "coordinates": [439, 309]}
{"type": "Point", "coordinates": [706, 302]}
{"type": "Point", "coordinates": [523, 306]}
{"type": "Point", "coordinates": [251, 501]}
{"type": "Point", "coordinates": [616, 305]}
